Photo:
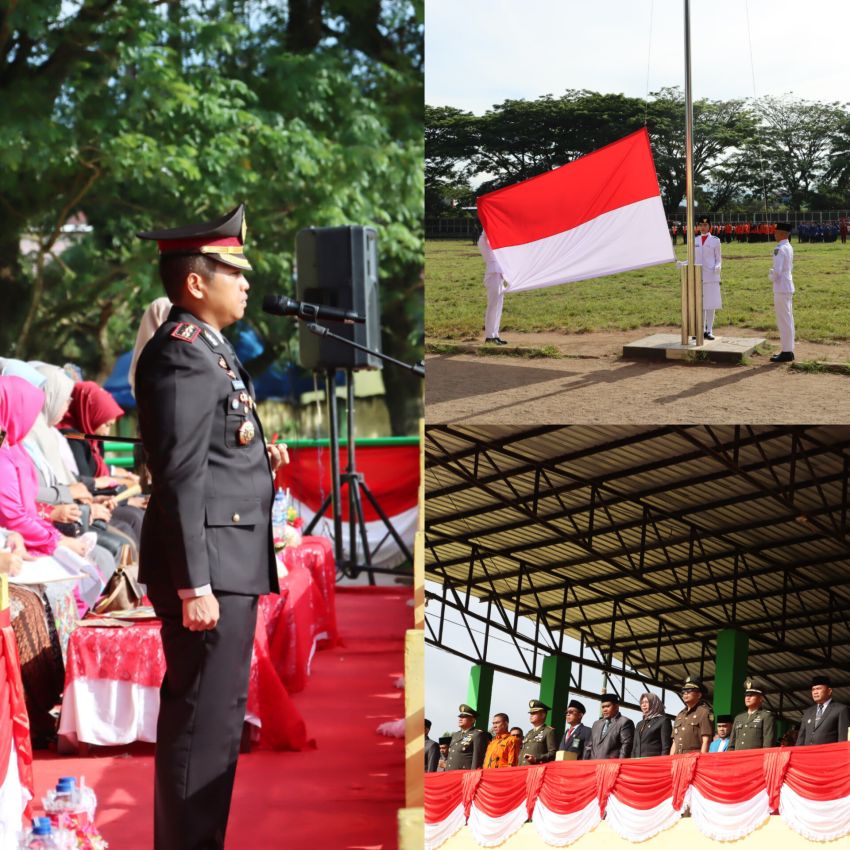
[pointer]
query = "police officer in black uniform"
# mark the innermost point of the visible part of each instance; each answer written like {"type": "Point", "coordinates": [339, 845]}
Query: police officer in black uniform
{"type": "Point", "coordinates": [206, 550]}
{"type": "Point", "coordinates": [468, 745]}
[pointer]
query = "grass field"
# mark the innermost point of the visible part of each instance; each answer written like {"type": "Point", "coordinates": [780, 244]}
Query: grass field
{"type": "Point", "coordinates": [455, 298]}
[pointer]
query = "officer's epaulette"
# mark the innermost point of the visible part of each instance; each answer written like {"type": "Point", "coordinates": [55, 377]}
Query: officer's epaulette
{"type": "Point", "coordinates": [186, 331]}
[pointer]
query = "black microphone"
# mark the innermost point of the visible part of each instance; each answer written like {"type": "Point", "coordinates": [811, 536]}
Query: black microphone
{"type": "Point", "coordinates": [280, 305]}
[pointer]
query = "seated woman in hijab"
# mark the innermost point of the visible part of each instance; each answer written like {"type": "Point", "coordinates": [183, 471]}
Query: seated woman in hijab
{"type": "Point", "coordinates": [42, 616]}
{"type": "Point", "coordinates": [94, 411]}
{"type": "Point", "coordinates": [71, 501]}
{"type": "Point", "coordinates": [20, 403]}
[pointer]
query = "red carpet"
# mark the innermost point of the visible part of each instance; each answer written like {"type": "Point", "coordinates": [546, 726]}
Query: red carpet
{"type": "Point", "coordinates": [345, 794]}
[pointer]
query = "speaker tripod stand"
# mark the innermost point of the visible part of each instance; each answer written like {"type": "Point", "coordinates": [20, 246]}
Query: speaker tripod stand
{"type": "Point", "coordinates": [357, 486]}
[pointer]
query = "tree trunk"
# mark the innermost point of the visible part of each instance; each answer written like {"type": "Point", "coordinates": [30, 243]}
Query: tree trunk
{"type": "Point", "coordinates": [304, 28]}
{"type": "Point", "coordinates": [15, 289]}
{"type": "Point", "coordinates": [404, 390]}
{"type": "Point", "coordinates": [106, 357]}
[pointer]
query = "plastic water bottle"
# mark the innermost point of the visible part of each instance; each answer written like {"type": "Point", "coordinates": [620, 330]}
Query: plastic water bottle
{"type": "Point", "coordinates": [279, 514]}
{"type": "Point", "coordinates": [41, 836]}
{"type": "Point", "coordinates": [66, 798]}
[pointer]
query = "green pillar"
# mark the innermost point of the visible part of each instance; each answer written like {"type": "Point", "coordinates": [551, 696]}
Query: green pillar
{"type": "Point", "coordinates": [479, 692]}
{"type": "Point", "coordinates": [730, 671]}
{"type": "Point", "coordinates": [555, 690]}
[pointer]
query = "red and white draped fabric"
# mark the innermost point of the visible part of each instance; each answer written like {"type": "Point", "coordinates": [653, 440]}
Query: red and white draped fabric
{"type": "Point", "coordinates": [392, 476]}
{"type": "Point", "coordinates": [728, 795]}
{"type": "Point", "coordinates": [16, 781]}
{"type": "Point", "coordinates": [113, 676]}
{"type": "Point", "coordinates": [598, 215]}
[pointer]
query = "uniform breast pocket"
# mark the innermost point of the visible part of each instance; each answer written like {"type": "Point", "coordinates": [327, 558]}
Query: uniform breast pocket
{"type": "Point", "coordinates": [234, 420]}
{"type": "Point", "coordinates": [232, 424]}
{"type": "Point", "coordinates": [231, 512]}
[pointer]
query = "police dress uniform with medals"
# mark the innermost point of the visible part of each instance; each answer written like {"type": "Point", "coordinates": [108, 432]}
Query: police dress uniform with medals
{"type": "Point", "coordinates": [467, 746]}
{"type": "Point", "coordinates": [542, 742]}
{"type": "Point", "coordinates": [691, 724]}
{"type": "Point", "coordinates": [753, 730]}
{"type": "Point", "coordinates": [207, 528]}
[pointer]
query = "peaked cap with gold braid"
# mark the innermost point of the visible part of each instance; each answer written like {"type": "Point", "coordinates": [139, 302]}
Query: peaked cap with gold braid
{"type": "Point", "coordinates": [221, 240]}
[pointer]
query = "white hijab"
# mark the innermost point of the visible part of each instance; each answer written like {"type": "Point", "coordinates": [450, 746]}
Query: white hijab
{"type": "Point", "coordinates": [57, 390]}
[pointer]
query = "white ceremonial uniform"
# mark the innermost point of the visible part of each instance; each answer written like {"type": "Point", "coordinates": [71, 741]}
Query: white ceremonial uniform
{"type": "Point", "coordinates": [493, 282]}
{"type": "Point", "coordinates": [708, 256]}
{"type": "Point", "coordinates": [783, 293]}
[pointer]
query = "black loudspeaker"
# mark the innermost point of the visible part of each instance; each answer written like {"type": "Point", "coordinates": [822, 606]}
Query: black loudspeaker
{"type": "Point", "coordinates": [338, 267]}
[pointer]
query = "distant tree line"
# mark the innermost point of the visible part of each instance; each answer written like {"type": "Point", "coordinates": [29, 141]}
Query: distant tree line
{"type": "Point", "coordinates": [779, 152]}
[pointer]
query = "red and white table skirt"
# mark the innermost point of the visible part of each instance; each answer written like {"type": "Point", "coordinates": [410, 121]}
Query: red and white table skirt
{"type": "Point", "coordinates": [113, 675]}
{"type": "Point", "coordinates": [16, 790]}
{"type": "Point", "coordinates": [728, 796]}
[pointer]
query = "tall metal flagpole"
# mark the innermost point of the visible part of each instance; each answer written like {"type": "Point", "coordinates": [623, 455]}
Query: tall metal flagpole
{"type": "Point", "coordinates": [692, 324]}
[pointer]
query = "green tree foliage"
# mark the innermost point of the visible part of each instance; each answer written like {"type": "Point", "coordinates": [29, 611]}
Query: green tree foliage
{"type": "Point", "coordinates": [129, 114]}
{"type": "Point", "coordinates": [767, 151]}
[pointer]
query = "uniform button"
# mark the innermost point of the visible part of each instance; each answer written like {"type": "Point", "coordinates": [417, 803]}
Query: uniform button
{"type": "Point", "coordinates": [235, 517]}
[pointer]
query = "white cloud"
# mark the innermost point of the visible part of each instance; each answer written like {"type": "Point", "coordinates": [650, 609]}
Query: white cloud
{"type": "Point", "coordinates": [481, 52]}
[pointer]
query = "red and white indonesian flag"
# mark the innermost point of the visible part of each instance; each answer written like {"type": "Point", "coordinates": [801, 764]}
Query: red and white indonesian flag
{"type": "Point", "coordinates": [597, 215]}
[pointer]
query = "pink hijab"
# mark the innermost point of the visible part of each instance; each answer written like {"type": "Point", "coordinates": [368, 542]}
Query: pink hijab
{"type": "Point", "coordinates": [20, 403]}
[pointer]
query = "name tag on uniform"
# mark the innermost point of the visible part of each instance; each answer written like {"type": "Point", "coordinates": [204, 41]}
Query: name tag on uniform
{"type": "Point", "coordinates": [237, 384]}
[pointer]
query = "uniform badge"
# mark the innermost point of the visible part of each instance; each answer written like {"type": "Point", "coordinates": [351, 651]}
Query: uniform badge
{"type": "Point", "coordinates": [186, 331]}
{"type": "Point", "coordinates": [245, 433]}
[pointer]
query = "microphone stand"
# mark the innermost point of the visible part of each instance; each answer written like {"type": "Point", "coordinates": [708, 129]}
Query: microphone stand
{"type": "Point", "coordinates": [320, 330]}
{"type": "Point", "coordinates": [354, 479]}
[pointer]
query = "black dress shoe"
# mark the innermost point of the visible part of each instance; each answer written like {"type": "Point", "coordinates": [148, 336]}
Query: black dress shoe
{"type": "Point", "coordinates": [495, 340]}
{"type": "Point", "coordinates": [708, 335]}
{"type": "Point", "coordinates": [782, 357]}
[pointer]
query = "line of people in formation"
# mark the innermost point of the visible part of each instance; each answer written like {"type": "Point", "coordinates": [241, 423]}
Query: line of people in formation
{"type": "Point", "coordinates": [615, 736]}
{"type": "Point", "coordinates": [807, 231]}
{"type": "Point", "coordinates": [62, 510]}
{"type": "Point", "coordinates": [708, 256]}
